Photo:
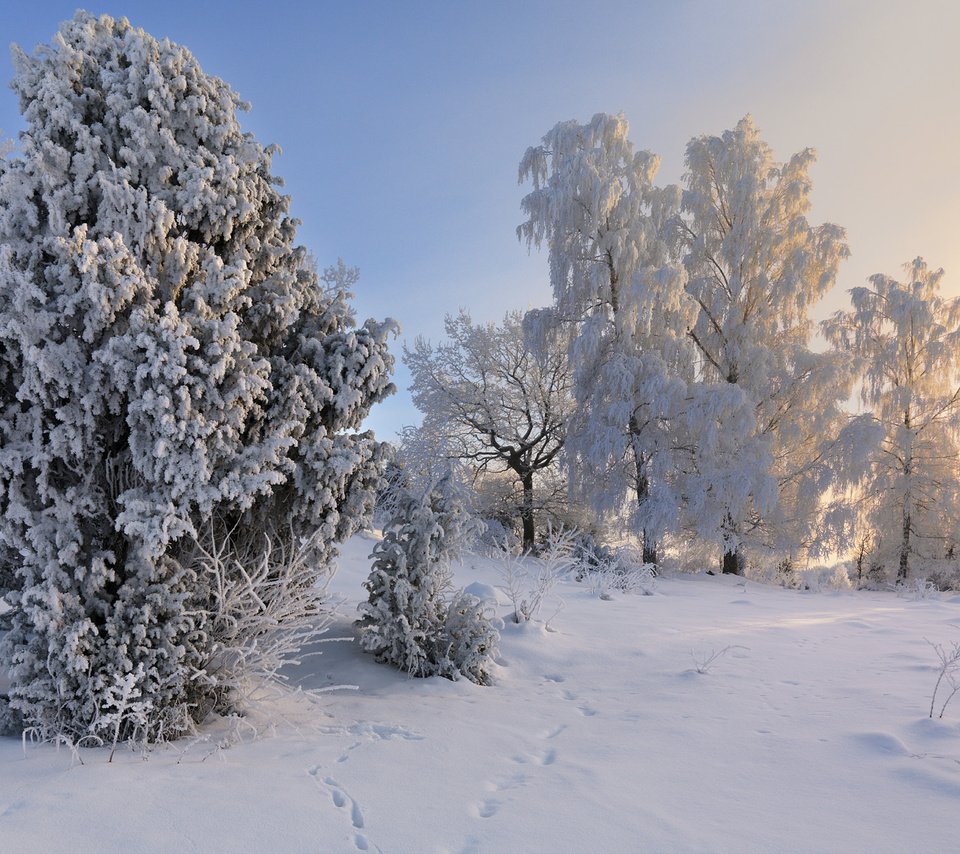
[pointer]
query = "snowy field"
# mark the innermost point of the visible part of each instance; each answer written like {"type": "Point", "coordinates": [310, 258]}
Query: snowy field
{"type": "Point", "coordinates": [809, 734]}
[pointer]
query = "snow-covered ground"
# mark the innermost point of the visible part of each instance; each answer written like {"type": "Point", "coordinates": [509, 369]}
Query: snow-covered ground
{"type": "Point", "coordinates": [809, 734]}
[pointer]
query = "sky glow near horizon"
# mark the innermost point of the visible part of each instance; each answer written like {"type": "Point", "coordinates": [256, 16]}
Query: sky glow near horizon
{"type": "Point", "coordinates": [402, 125]}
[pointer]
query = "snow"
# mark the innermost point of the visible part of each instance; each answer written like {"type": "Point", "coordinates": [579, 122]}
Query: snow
{"type": "Point", "coordinates": [810, 733]}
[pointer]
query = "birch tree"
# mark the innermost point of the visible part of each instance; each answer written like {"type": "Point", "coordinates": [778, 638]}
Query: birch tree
{"type": "Point", "coordinates": [755, 266]}
{"type": "Point", "coordinates": [906, 339]}
{"type": "Point", "coordinates": [618, 294]}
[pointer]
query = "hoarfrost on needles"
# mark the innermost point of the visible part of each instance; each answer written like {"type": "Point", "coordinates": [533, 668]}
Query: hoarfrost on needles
{"type": "Point", "coordinates": [170, 364]}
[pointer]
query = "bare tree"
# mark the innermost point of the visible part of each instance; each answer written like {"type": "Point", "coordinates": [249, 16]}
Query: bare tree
{"type": "Point", "coordinates": [493, 403]}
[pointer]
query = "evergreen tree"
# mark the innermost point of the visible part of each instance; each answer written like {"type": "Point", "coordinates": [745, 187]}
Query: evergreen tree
{"type": "Point", "coordinates": [408, 620]}
{"type": "Point", "coordinates": [170, 364]}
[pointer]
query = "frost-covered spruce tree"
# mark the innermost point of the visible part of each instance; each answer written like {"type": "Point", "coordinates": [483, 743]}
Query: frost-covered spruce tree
{"type": "Point", "coordinates": [401, 620]}
{"type": "Point", "coordinates": [408, 620]}
{"type": "Point", "coordinates": [171, 365]}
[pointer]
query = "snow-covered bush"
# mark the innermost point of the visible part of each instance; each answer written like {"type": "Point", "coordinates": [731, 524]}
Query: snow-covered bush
{"type": "Point", "coordinates": [469, 640]}
{"type": "Point", "coordinates": [590, 554]}
{"type": "Point", "coordinates": [918, 590]}
{"type": "Point", "coordinates": [526, 590]}
{"type": "Point", "coordinates": [785, 573]}
{"type": "Point", "coordinates": [262, 605]}
{"type": "Point", "coordinates": [527, 581]}
{"type": "Point", "coordinates": [408, 620]}
{"type": "Point", "coordinates": [168, 356]}
{"type": "Point", "coordinates": [778, 570]}
{"type": "Point", "coordinates": [686, 555]}
{"type": "Point", "coordinates": [621, 570]}
{"type": "Point", "coordinates": [945, 575]}
{"type": "Point", "coordinates": [123, 710]}
{"type": "Point", "coordinates": [836, 577]}
{"type": "Point", "coordinates": [496, 539]}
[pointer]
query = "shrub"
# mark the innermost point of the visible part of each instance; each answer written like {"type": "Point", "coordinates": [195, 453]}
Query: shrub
{"type": "Point", "coordinates": [945, 575]}
{"type": "Point", "coordinates": [948, 674]}
{"type": "Point", "coordinates": [623, 571]}
{"type": "Point", "coordinates": [469, 640]}
{"type": "Point", "coordinates": [527, 589]}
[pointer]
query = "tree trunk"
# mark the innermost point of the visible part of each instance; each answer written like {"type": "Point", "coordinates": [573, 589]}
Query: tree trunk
{"type": "Point", "coordinates": [904, 567]}
{"type": "Point", "coordinates": [861, 554]}
{"type": "Point", "coordinates": [647, 538]}
{"type": "Point", "coordinates": [649, 542]}
{"type": "Point", "coordinates": [650, 549]}
{"type": "Point", "coordinates": [904, 544]}
{"type": "Point", "coordinates": [526, 512]}
{"type": "Point", "coordinates": [734, 561]}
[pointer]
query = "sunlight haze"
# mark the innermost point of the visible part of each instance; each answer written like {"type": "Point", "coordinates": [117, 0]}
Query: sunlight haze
{"type": "Point", "coordinates": [402, 126]}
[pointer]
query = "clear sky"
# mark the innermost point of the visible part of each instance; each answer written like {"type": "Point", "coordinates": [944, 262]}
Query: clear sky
{"type": "Point", "coordinates": [402, 123]}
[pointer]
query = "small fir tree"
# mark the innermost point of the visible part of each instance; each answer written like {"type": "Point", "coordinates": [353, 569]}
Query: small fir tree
{"type": "Point", "coordinates": [408, 620]}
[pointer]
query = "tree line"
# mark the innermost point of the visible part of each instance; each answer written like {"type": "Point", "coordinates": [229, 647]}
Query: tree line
{"type": "Point", "coordinates": [672, 386]}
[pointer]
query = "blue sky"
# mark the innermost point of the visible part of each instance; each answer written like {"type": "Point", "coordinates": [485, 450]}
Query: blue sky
{"type": "Point", "coordinates": [402, 124]}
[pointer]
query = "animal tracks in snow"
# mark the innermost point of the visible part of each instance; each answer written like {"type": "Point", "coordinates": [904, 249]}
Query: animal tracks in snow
{"type": "Point", "coordinates": [586, 710]}
{"type": "Point", "coordinates": [540, 752]}
{"type": "Point", "coordinates": [536, 757]}
{"type": "Point", "coordinates": [383, 732]}
{"type": "Point", "coordinates": [369, 733]}
{"type": "Point", "coordinates": [488, 808]}
{"type": "Point", "coordinates": [340, 798]}
{"type": "Point", "coordinates": [539, 757]}
{"type": "Point", "coordinates": [348, 805]}
{"type": "Point", "coordinates": [366, 732]}
{"type": "Point", "coordinates": [554, 732]}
